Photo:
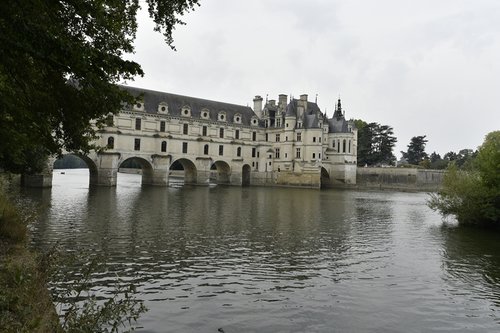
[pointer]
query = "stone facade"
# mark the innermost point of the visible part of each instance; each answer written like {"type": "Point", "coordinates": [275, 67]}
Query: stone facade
{"type": "Point", "coordinates": [289, 142]}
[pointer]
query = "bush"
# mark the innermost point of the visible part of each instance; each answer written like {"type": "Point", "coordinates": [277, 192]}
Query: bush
{"type": "Point", "coordinates": [473, 195]}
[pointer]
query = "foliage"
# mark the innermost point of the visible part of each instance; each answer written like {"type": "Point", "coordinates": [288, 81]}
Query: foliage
{"type": "Point", "coordinates": [12, 225]}
{"type": "Point", "coordinates": [60, 63]}
{"type": "Point", "coordinates": [84, 312]}
{"type": "Point", "coordinates": [416, 150]}
{"type": "Point", "coordinates": [375, 143]}
{"type": "Point", "coordinates": [473, 195]}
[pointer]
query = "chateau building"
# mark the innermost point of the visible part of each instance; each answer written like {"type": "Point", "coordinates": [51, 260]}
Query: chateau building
{"type": "Point", "coordinates": [284, 142]}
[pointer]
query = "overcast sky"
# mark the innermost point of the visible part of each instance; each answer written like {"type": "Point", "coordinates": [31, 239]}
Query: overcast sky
{"type": "Point", "coordinates": [423, 67]}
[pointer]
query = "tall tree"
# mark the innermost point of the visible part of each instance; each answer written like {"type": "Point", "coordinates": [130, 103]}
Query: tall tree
{"type": "Point", "coordinates": [60, 62]}
{"type": "Point", "coordinates": [416, 150]}
{"type": "Point", "coordinates": [375, 143]}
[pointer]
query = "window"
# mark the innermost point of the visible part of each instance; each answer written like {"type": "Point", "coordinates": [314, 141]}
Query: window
{"type": "Point", "coordinates": [137, 144]}
{"type": "Point", "coordinates": [254, 136]}
{"type": "Point", "coordinates": [221, 150]}
{"type": "Point", "coordinates": [269, 163]}
{"type": "Point", "coordinates": [185, 129]}
{"type": "Point", "coordinates": [319, 155]}
{"type": "Point", "coordinates": [184, 147]}
{"type": "Point", "coordinates": [257, 165]}
{"type": "Point", "coordinates": [349, 146]}
{"type": "Point", "coordinates": [278, 122]}
{"type": "Point", "coordinates": [254, 152]}
{"type": "Point", "coordinates": [319, 139]}
{"type": "Point", "coordinates": [343, 146]}
{"type": "Point", "coordinates": [162, 126]}
{"type": "Point", "coordinates": [163, 146]}
{"type": "Point", "coordinates": [277, 153]}
{"type": "Point", "coordinates": [297, 153]}
{"type": "Point", "coordinates": [286, 124]}
{"type": "Point", "coordinates": [267, 137]}
{"type": "Point", "coordinates": [277, 138]}
{"type": "Point", "coordinates": [221, 133]}
{"type": "Point", "coordinates": [286, 155]}
{"type": "Point", "coordinates": [338, 146]}
{"type": "Point", "coordinates": [138, 124]}
{"type": "Point", "coordinates": [253, 164]}
{"type": "Point", "coordinates": [314, 139]}
{"type": "Point", "coordinates": [204, 131]}
{"type": "Point", "coordinates": [299, 125]}
{"type": "Point", "coordinates": [238, 152]}
{"type": "Point", "coordinates": [237, 134]}
{"type": "Point", "coordinates": [299, 137]}
{"type": "Point", "coordinates": [205, 150]}
{"type": "Point", "coordinates": [286, 138]}
{"type": "Point", "coordinates": [111, 142]}
{"type": "Point", "coordinates": [258, 154]}
{"type": "Point", "coordinates": [314, 155]}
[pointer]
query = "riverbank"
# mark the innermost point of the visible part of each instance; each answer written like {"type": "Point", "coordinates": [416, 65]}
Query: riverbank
{"type": "Point", "coordinates": [25, 302]}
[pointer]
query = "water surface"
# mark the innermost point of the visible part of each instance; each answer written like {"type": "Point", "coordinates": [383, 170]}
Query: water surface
{"type": "Point", "coordinates": [277, 259]}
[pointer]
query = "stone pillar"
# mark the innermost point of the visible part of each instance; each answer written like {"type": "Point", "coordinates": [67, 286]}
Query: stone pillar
{"type": "Point", "coordinates": [159, 175]}
{"type": "Point", "coordinates": [236, 177]}
{"type": "Point", "coordinates": [42, 179]}
{"type": "Point", "coordinates": [202, 171]}
{"type": "Point", "coordinates": [107, 168]}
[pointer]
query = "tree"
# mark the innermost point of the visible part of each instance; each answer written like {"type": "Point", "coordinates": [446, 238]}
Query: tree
{"type": "Point", "coordinates": [60, 63]}
{"type": "Point", "coordinates": [416, 150]}
{"type": "Point", "coordinates": [473, 195]}
{"type": "Point", "coordinates": [375, 143]}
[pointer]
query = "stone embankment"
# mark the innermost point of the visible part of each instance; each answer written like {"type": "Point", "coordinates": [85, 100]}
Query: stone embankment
{"type": "Point", "coordinates": [403, 179]}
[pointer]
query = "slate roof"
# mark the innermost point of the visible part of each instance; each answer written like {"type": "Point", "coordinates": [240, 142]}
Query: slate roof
{"type": "Point", "coordinates": [175, 103]}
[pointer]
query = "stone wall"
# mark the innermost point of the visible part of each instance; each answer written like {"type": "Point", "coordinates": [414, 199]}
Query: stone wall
{"type": "Point", "coordinates": [399, 179]}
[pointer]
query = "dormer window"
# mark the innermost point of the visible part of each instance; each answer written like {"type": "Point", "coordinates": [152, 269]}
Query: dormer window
{"type": "Point", "coordinates": [139, 106]}
{"type": "Point", "coordinates": [237, 118]}
{"type": "Point", "coordinates": [163, 108]}
{"type": "Point", "coordinates": [221, 116]}
{"type": "Point", "coordinates": [186, 111]}
{"type": "Point", "coordinates": [299, 125]}
{"type": "Point", "coordinates": [205, 114]}
{"type": "Point", "coordinates": [254, 121]}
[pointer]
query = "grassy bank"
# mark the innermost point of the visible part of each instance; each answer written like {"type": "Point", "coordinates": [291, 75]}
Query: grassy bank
{"type": "Point", "coordinates": [25, 303]}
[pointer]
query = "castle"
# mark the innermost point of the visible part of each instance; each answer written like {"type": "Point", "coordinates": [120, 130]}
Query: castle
{"type": "Point", "coordinates": [285, 142]}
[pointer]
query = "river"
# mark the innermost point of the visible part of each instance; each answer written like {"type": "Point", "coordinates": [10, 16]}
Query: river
{"type": "Point", "coordinates": [261, 259]}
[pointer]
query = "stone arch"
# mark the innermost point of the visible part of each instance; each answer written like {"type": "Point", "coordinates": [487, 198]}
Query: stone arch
{"type": "Point", "coordinates": [324, 178]}
{"type": "Point", "coordinates": [90, 163]}
{"type": "Point", "coordinates": [189, 168]}
{"type": "Point", "coordinates": [222, 172]}
{"type": "Point", "coordinates": [146, 168]}
{"type": "Point", "coordinates": [245, 175]}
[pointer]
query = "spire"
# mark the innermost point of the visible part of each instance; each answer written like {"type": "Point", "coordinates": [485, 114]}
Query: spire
{"type": "Point", "coordinates": [338, 109]}
{"type": "Point", "coordinates": [316, 100]}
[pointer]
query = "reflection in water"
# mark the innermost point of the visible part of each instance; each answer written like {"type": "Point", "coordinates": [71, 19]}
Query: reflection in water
{"type": "Point", "coordinates": [276, 260]}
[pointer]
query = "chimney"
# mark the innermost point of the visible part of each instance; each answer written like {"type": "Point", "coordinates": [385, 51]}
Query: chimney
{"type": "Point", "coordinates": [303, 97]}
{"type": "Point", "coordinates": [282, 100]}
{"type": "Point", "coordinates": [272, 102]}
{"type": "Point", "coordinates": [257, 106]}
{"type": "Point", "coordinates": [302, 103]}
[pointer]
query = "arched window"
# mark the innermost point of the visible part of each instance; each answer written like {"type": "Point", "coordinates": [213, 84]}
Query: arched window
{"type": "Point", "coordinates": [111, 142]}
{"type": "Point", "coordinates": [343, 146]}
{"type": "Point", "coordinates": [238, 152]}
{"type": "Point", "coordinates": [205, 150]}
{"type": "Point", "coordinates": [349, 146]}
{"type": "Point", "coordinates": [164, 146]}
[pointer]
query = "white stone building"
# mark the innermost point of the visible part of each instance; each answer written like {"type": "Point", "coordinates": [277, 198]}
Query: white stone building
{"type": "Point", "coordinates": [288, 142]}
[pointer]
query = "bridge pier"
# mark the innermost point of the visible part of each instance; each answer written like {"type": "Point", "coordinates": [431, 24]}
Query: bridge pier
{"type": "Point", "coordinates": [107, 169]}
{"type": "Point", "coordinates": [158, 174]}
{"type": "Point", "coordinates": [42, 179]}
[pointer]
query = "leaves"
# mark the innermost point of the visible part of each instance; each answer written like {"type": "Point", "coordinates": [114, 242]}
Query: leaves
{"type": "Point", "coordinates": [60, 63]}
{"type": "Point", "coordinates": [375, 144]}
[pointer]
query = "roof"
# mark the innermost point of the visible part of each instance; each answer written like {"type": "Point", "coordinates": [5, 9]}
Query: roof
{"type": "Point", "coordinates": [175, 103]}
